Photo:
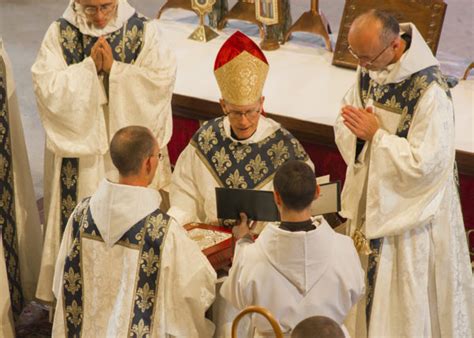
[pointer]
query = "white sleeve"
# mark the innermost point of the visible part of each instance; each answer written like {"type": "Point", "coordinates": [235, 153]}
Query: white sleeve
{"type": "Point", "coordinates": [66, 244]}
{"type": "Point", "coordinates": [188, 284]}
{"type": "Point", "coordinates": [69, 100]}
{"type": "Point", "coordinates": [345, 139]}
{"type": "Point", "coordinates": [140, 93]}
{"type": "Point", "coordinates": [408, 176]}
{"type": "Point", "coordinates": [234, 289]}
{"type": "Point", "coordinates": [185, 197]}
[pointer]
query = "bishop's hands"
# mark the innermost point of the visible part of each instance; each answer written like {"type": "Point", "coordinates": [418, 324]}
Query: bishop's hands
{"type": "Point", "coordinates": [361, 122]}
{"type": "Point", "coordinates": [101, 54]}
{"type": "Point", "coordinates": [243, 228]}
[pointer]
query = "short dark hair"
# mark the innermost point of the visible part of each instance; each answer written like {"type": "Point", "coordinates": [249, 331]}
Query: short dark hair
{"type": "Point", "coordinates": [296, 183]}
{"type": "Point", "coordinates": [129, 147]}
{"type": "Point", "coordinates": [390, 25]}
{"type": "Point", "coordinates": [317, 327]}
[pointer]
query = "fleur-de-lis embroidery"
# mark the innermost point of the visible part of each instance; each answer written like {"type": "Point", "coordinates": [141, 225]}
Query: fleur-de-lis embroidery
{"type": "Point", "coordinates": [5, 199]}
{"type": "Point", "coordinates": [72, 281]}
{"type": "Point", "coordinates": [299, 150]}
{"type": "Point", "coordinates": [240, 151]}
{"type": "Point", "coordinates": [67, 206]}
{"type": "Point", "coordinates": [207, 139]}
{"type": "Point", "coordinates": [155, 228]}
{"type": "Point", "coordinates": [235, 180]}
{"type": "Point", "coordinates": [74, 313]}
{"type": "Point", "coordinates": [133, 39]}
{"type": "Point", "coordinates": [419, 83]}
{"type": "Point", "coordinates": [150, 262]}
{"type": "Point", "coordinates": [3, 130]}
{"type": "Point", "coordinates": [256, 168]}
{"type": "Point", "coordinates": [69, 175]}
{"type": "Point", "coordinates": [145, 297]}
{"type": "Point", "coordinates": [392, 104]}
{"type": "Point", "coordinates": [221, 161]}
{"type": "Point", "coordinates": [405, 123]}
{"type": "Point", "coordinates": [3, 167]}
{"type": "Point", "coordinates": [278, 153]}
{"type": "Point", "coordinates": [141, 330]}
{"type": "Point", "coordinates": [69, 39]}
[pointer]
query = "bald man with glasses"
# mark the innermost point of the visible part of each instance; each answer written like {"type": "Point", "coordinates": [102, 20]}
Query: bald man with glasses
{"type": "Point", "coordinates": [395, 131]}
{"type": "Point", "coordinates": [101, 67]}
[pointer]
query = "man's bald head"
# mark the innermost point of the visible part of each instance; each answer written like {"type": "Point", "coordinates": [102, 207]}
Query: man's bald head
{"type": "Point", "coordinates": [317, 327]}
{"type": "Point", "coordinates": [129, 147]}
{"type": "Point", "coordinates": [376, 23]}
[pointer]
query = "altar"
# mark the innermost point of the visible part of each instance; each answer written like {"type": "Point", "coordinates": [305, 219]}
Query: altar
{"type": "Point", "coordinates": [303, 92]}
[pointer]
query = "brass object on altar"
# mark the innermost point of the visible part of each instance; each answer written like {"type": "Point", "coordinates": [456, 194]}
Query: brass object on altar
{"type": "Point", "coordinates": [203, 33]}
{"type": "Point", "coordinates": [468, 69]}
{"type": "Point", "coordinates": [276, 17]}
{"type": "Point", "coordinates": [262, 311]}
{"type": "Point", "coordinates": [182, 4]}
{"type": "Point", "coordinates": [312, 21]}
{"type": "Point", "coordinates": [243, 10]}
{"type": "Point", "coordinates": [427, 15]}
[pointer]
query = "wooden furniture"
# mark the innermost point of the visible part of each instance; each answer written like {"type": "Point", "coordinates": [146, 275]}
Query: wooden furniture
{"type": "Point", "coordinates": [216, 243]}
{"type": "Point", "coordinates": [427, 15]}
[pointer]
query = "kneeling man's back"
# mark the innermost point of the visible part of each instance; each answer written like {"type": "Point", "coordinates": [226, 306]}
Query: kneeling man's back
{"type": "Point", "coordinates": [296, 268]}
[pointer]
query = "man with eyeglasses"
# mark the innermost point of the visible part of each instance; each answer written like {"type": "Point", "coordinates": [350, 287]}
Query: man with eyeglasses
{"type": "Point", "coordinates": [395, 131]}
{"type": "Point", "coordinates": [125, 268]}
{"type": "Point", "coordinates": [241, 149]}
{"type": "Point", "coordinates": [96, 62]}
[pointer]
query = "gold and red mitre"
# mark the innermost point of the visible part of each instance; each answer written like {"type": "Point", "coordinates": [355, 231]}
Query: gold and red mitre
{"type": "Point", "coordinates": [240, 69]}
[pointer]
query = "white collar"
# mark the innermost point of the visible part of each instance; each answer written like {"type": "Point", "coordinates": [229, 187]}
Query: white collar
{"type": "Point", "coordinates": [265, 128]}
{"type": "Point", "coordinates": [416, 58]}
{"type": "Point", "coordinates": [115, 208]}
{"type": "Point", "coordinates": [78, 19]}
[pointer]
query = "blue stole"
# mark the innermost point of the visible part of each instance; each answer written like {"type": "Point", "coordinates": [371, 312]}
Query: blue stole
{"type": "Point", "coordinates": [8, 225]}
{"type": "Point", "coordinates": [400, 98]}
{"type": "Point", "coordinates": [148, 236]}
{"type": "Point", "coordinates": [244, 166]}
{"type": "Point", "coordinates": [126, 44]}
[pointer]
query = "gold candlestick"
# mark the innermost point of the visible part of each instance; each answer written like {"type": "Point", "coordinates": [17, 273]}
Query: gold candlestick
{"type": "Point", "coordinates": [203, 33]}
{"type": "Point", "coordinates": [314, 22]}
{"type": "Point", "coordinates": [243, 10]}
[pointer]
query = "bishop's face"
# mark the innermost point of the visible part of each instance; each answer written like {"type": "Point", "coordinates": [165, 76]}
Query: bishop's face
{"type": "Point", "coordinates": [243, 119]}
{"type": "Point", "coordinates": [99, 12]}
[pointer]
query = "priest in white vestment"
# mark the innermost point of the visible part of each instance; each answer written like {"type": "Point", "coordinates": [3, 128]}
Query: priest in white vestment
{"type": "Point", "coordinates": [297, 268]}
{"type": "Point", "coordinates": [101, 66]}
{"type": "Point", "coordinates": [240, 150]}
{"type": "Point", "coordinates": [125, 268]}
{"type": "Point", "coordinates": [20, 228]}
{"type": "Point", "coordinates": [396, 134]}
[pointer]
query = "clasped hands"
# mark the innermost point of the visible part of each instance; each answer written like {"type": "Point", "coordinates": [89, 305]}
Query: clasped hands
{"type": "Point", "coordinates": [101, 54]}
{"type": "Point", "coordinates": [361, 122]}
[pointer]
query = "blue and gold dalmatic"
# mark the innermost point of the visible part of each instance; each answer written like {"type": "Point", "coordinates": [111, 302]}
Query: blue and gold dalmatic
{"type": "Point", "coordinates": [8, 226]}
{"type": "Point", "coordinates": [400, 98]}
{"type": "Point", "coordinates": [148, 237]}
{"type": "Point", "coordinates": [244, 166]}
{"type": "Point", "coordinates": [126, 44]}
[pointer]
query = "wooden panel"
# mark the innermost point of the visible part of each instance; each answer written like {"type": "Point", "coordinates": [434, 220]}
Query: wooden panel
{"type": "Point", "coordinates": [305, 131]}
{"type": "Point", "coordinates": [428, 17]}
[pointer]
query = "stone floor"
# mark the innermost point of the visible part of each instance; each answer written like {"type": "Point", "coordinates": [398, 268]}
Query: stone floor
{"type": "Point", "coordinates": [24, 22]}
